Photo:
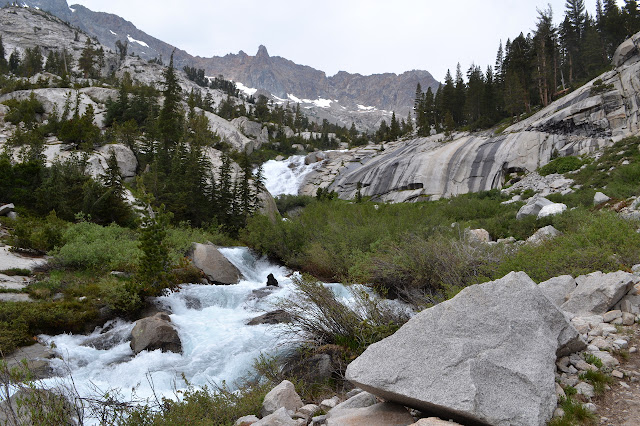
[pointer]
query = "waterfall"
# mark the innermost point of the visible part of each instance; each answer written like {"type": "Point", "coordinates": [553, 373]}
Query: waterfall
{"type": "Point", "coordinates": [286, 176]}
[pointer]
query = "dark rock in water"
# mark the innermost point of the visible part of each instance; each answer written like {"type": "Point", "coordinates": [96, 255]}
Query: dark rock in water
{"type": "Point", "coordinates": [155, 332]}
{"type": "Point", "coordinates": [263, 292]}
{"type": "Point", "coordinates": [271, 281]}
{"type": "Point", "coordinates": [107, 339]}
{"type": "Point", "coordinates": [274, 317]}
{"type": "Point", "coordinates": [192, 302]}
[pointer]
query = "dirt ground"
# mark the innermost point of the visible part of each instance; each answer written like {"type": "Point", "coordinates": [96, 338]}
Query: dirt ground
{"type": "Point", "coordinates": [620, 406]}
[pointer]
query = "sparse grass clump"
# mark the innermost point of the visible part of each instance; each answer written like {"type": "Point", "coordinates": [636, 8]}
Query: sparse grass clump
{"type": "Point", "coordinates": [575, 413]}
{"type": "Point", "coordinates": [598, 380]}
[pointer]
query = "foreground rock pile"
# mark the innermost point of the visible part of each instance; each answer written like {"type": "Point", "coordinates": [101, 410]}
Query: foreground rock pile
{"type": "Point", "coordinates": [499, 353]}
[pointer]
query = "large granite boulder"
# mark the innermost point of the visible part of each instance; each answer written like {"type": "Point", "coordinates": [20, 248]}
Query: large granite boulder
{"type": "Point", "coordinates": [598, 293]}
{"type": "Point", "coordinates": [215, 266]}
{"type": "Point", "coordinates": [558, 289]}
{"type": "Point", "coordinates": [533, 207]}
{"type": "Point", "coordinates": [153, 333]}
{"type": "Point", "coordinates": [282, 396]}
{"type": "Point", "coordinates": [486, 356]}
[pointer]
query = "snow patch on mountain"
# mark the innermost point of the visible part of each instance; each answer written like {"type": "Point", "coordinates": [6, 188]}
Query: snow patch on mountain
{"type": "Point", "coordinates": [249, 91]}
{"type": "Point", "coordinates": [133, 40]}
{"type": "Point", "coordinates": [115, 34]}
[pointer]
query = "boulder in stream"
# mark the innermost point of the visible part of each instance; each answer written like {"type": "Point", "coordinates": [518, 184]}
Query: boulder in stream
{"type": "Point", "coordinates": [153, 333]}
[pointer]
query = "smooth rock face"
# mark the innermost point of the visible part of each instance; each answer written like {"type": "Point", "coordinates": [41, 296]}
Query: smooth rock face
{"type": "Point", "coordinates": [597, 293]}
{"type": "Point", "coordinates": [558, 289]}
{"type": "Point", "coordinates": [282, 396]}
{"type": "Point", "coordinates": [491, 352]}
{"type": "Point", "coordinates": [216, 267]}
{"type": "Point", "coordinates": [382, 414]}
{"type": "Point", "coordinates": [153, 333]}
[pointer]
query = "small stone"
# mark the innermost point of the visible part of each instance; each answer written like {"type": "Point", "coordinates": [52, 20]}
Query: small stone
{"type": "Point", "coordinates": [328, 404]}
{"type": "Point", "coordinates": [559, 391]}
{"type": "Point", "coordinates": [559, 412]}
{"type": "Point", "coordinates": [601, 343]}
{"type": "Point", "coordinates": [621, 343]}
{"type": "Point", "coordinates": [617, 374]}
{"type": "Point", "coordinates": [633, 350]}
{"type": "Point", "coordinates": [591, 407]}
{"type": "Point", "coordinates": [617, 321]}
{"type": "Point", "coordinates": [585, 366]}
{"type": "Point", "coordinates": [624, 385]}
{"type": "Point", "coordinates": [585, 389]}
{"type": "Point", "coordinates": [628, 319]}
{"type": "Point", "coordinates": [612, 315]}
{"type": "Point", "coordinates": [319, 420]}
{"type": "Point", "coordinates": [246, 420]}
{"type": "Point", "coordinates": [353, 392]}
{"type": "Point", "coordinates": [600, 198]}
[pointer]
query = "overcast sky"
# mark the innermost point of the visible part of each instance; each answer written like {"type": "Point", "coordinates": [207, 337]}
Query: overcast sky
{"type": "Point", "coordinates": [358, 36]}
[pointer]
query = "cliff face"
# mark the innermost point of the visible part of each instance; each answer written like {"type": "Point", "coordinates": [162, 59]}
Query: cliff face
{"type": "Point", "coordinates": [598, 114]}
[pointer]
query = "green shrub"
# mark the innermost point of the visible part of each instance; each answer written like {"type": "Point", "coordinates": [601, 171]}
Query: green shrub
{"type": "Point", "coordinates": [16, 271]}
{"type": "Point", "coordinates": [91, 246]}
{"type": "Point", "coordinates": [423, 269]}
{"type": "Point", "coordinates": [598, 380]}
{"type": "Point", "coordinates": [593, 360]}
{"type": "Point", "coordinates": [25, 111]}
{"type": "Point", "coordinates": [287, 203]}
{"type": "Point", "coordinates": [38, 234]}
{"type": "Point", "coordinates": [203, 407]}
{"type": "Point", "coordinates": [317, 316]}
{"type": "Point", "coordinates": [561, 165]}
{"type": "Point", "coordinates": [592, 241]}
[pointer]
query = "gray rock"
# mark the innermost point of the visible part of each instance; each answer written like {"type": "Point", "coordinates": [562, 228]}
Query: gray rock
{"type": "Point", "coordinates": [153, 333]}
{"type": "Point", "coordinates": [477, 235]}
{"type": "Point", "coordinates": [533, 207]}
{"type": "Point", "coordinates": [215, 266]}
{"type": "Point", "coordinates": [280, 417]}
{"type": "Point", "coordinates": [546, 233]}
{"type": "Point", "coordinates": [382, 414]}
{"type": "Point", "coordinates": [585, 389]}
{"type": "Point", "coordinates": [5, 209]}
{"type": "Point", "coordinates": [361, 400]}
{"type": "Point", "coordinates": [600, 198]}
{"type": "Point", "coordinates": [278, 316]}
{"type": "Point", "coordinates": [329, 403]}
{"type": "Point", "coordinates": [612, 315]}
{"type": "Point", "coordinates": [434, 421]}
{"type": "Point", "coordinates": [12, 215]}
{"type": "Point", "coordinates": [597, 293]}
{"type": "Point", "coordinates": [558, 289]}
{"type": "Point", "coordinates": [37, 357]}
{"type": "Point", "coordinates": [283, 396]}
{"type": "Point", "coordinates": [552, 210]}
{"type": "Point", "coordinates": [474, 345]}
{"type": "Point", "coordinates": [246, 420]}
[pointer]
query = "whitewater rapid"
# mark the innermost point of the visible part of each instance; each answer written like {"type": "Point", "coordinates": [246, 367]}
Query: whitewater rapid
{"type": "Point", "coordinates": [286, 176]}
{"type": "Point", "coordinates": [211, 322]}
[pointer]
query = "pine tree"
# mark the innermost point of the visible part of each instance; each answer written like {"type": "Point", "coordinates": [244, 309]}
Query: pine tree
{"type": "Point", "coordinates": [171, 116]}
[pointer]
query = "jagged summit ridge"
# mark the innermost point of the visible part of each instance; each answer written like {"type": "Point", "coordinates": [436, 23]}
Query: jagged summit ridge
{"type": "Point", "coordinates": [277, 75]}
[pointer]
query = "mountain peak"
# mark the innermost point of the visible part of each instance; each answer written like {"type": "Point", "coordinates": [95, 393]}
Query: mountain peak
{"type": "Point", "coordinates": [262, 52]}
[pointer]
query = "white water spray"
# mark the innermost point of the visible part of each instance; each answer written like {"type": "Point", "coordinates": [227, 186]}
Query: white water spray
{"type": "Point", "coordinates": [286, 177]}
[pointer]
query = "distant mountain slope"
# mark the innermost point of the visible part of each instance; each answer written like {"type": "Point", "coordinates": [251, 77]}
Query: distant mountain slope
{"type": "Point", "coordinates": [365, 100]}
